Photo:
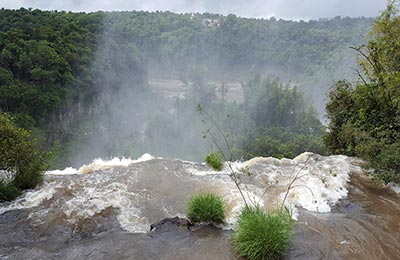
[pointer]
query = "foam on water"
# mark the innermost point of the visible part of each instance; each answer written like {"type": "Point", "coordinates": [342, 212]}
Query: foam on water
{"type": "Point", "coordinates": [137, 190]}
{"type": "Point", "coordinates": [115, 195]}
{"type": "Point", "coordinates": [321, 181]}
{"type": "Point", "coordinates": [91, 200]}
{"type": "Point", "coordinates": [30, 199]}
{"type": "Point", "coordinates": [100, 164]}
{"type": "Point", "coordinates": [394, 187]}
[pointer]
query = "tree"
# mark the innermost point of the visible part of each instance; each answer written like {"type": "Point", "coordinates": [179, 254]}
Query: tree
{"type": "Point", "coordinates": [365, 119]}
{"type": "Point", "coordinates": [20, 160]}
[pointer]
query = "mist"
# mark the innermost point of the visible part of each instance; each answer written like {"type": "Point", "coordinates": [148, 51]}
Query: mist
{"type": "Point", "coordinates": [285, 9]}
{"type": "Point", "coordinates": [152, 69]}
{"type": "Point", "coordinates": [127, 117]}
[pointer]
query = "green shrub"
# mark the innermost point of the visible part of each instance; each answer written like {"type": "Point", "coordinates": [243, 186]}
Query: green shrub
{"type": "Point", "coordinates": [263, 235]}
{"type": "Point", "coordinates": [214, 160]}
{"type": "Point", "coordinates": [206, 207]}
{"type": "Point", "coordinates": [20, 157]}
{"type": "Point", "coordinates": [30, 176]}
{"type": "Point", "coordinates": [8, 191]}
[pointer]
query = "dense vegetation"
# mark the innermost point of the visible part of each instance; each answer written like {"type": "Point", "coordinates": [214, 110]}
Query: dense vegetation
{"type": "Point", "coordinates": [44, 61]}
{"type": "Point", "coordinates": [48, 56]}
{"type": "Point", "coordinates": [21, 164]}
{"type": "Point", "coordinates": [365, 118]}
{"type": "Point", "coordinates": [50, 66]}
{"type": "Point", "coordinates": [75, 77]}
{"type": "Point", "coordinates": [184, 40]}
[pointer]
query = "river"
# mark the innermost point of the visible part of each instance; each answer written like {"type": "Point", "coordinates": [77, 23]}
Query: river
{"type": "Point", "coordinates": [104, 210]}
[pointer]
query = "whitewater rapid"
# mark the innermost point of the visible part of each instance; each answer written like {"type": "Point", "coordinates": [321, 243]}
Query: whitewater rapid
{"type": "Point", "coordinates": [144, 190]}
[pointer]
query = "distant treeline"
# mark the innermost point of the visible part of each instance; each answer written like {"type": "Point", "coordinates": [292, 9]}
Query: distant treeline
{"type": "Point", "coordinates": [180, 40]}
{"type": "Point", "coordinates": [49, 59]}
{"type": "Point", "coordinates": [54, 65]}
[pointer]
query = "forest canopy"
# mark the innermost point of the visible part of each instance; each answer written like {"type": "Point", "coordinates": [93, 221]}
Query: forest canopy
{"type": "Point", "coordinates": [64, 75]}
{"type": "Point", "coordinates": [51, 60]}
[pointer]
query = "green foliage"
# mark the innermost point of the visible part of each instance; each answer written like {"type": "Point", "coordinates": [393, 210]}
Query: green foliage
{"type": "Point", "coordinates": [55, 65]}
{"type": "Point", "coordinates": [20, 159]}
{"type": "Point", "coordinates": [47, 58]}
{"type": "Point", "coordinates": [279, 142]}
{"type": "Point", "coordinates": [285, 125]}
{"type": "Point", "coordinates": [206, 207]}
{"type": "Point", "coordinates": [42, 60]}
{"type": "Point", "coordinates": [238, 44]}
{"type": "Point", "coordinates": [214, 160]}
{"type": "Point", "coordinates": [8, 191]}
{"type": "Point", "coordinates": [365, 118]}
{"type": "Point", "coordinates": [263, 235]}
{"type": "Point", "coordinates": [49, 73]}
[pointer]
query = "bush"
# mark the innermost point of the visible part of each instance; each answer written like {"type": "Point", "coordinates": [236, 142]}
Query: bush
{"type": "Point", "coordinates": [8, 191]}
{"type": "Point", "coordinates": [19, 158]}
{"type": "Point", "coordinates": [206, 207]}
{"type": "Point", "coordinates": [214, 160]}
{"type": "Point", "coordinates": [263, 235]}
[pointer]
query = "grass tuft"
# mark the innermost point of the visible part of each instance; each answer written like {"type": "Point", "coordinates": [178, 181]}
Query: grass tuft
{"type": "Point", "coordinates": [206, 207]}
{"type": "Point", "coordinates": [214, 160]}
{"type": "Point", "coordinates": [263, 235]}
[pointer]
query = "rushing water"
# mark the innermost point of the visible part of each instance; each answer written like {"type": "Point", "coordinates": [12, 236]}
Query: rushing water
{"type": "Point", "coordinates": [104, 210]}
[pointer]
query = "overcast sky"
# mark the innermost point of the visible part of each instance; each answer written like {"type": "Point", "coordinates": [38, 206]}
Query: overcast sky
{"type": "Point", "coordinates": [286, 9]}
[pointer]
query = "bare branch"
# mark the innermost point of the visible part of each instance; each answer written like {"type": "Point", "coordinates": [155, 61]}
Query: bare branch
{"type": "Point", "coordinates": [233, 174]}
{"type": "Point", "coordinates": [358, 49]}
{"type": "Point", "coordinates": [360, 76]}
{"type": "Point", "coordinates": [296, 177]}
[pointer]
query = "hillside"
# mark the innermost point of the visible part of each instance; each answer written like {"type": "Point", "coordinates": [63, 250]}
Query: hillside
{"type": "Point", "coordinates": [61, 70]}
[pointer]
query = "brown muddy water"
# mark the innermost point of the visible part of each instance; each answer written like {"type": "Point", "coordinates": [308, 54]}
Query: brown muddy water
{"type": "Point", "coordinates": [104, 211]}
